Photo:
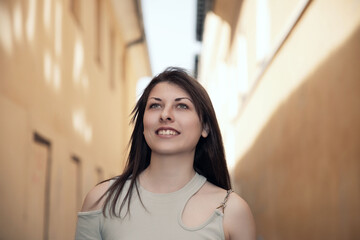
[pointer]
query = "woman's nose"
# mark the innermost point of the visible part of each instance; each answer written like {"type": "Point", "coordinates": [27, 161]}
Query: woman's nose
{"type": "Point", "coordinates": [166, 115]}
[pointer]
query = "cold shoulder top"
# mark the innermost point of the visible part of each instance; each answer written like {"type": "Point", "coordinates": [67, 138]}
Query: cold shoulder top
{"type": "Point", "coordinates": [159, 219]}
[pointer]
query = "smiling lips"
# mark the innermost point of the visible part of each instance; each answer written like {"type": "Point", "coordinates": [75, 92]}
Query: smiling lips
{"type": "Point", "coordinates": [167, 132]}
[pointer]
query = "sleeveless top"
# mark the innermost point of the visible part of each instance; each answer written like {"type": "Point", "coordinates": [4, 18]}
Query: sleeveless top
{"type": "Point", "coordinates": [159, 219]}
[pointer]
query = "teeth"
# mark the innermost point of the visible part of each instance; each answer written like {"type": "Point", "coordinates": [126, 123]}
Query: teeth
{"type": "Point", "coordinates": [167, 132]}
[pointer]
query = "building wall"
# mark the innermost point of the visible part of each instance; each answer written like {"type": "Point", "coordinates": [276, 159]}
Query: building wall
{"type": "Point", "coordinates": [290, 93]}
{"type": "Point", "coordinates": [66, 90]}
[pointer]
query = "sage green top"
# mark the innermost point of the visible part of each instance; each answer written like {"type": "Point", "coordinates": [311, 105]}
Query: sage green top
{"type": "Point", "coordinates": [159, 220]}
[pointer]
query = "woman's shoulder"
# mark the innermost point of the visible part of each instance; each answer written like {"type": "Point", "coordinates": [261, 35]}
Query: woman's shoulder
{"type": "Point", "coordinates": [238, 219]}
{"type": "Point", "coordinates": [213, 191]}
{"type": "Point", "coordinates": [91, 202]}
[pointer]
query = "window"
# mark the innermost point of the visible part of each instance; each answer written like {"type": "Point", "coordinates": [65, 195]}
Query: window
{"type": "Point", "coordinates": [262, 30]}
{"type": "Point", "coordinates": [112, 59]}
{"type": "Point", "coordinates": [38, 189]}
{"type": "Point", "coordinates": [98, 31]}
{"type": "Point", "coordinates": [75, 7]}
{"type": "Point", "coordinates": [77, 181]}
{"type": "Point", "coordinates": [99, 174]}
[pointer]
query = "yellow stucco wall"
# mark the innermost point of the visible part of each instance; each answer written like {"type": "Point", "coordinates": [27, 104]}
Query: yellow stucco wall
{"type": "Point", "coordinates": [54, 87]}
{"type": "Point", "coordinates": [291, 127]}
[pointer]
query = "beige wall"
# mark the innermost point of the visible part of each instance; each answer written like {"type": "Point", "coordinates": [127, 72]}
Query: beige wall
{"type": "Point", "coordinates": [53, 86]}
{"type": "Point", "coordinates": [295, 113]}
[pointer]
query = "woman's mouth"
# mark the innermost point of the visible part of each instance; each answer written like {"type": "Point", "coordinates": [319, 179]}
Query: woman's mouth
{"type": "Point", "coordinates": [167, 132]}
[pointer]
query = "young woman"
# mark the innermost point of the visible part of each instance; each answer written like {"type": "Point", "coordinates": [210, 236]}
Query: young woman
{"type": "Point", "coordinates": [176, 184]}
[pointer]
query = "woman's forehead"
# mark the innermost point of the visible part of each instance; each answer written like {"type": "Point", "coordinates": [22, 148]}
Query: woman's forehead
{"type": "Point", "coordinates": [168, 91]}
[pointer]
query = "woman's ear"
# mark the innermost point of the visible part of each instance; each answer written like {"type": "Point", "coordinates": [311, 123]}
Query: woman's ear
{"type": "Point", "coordinates": [205, 131]}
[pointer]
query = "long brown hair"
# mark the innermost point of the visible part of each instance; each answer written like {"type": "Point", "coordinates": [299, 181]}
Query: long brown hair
{"type": "Point", "coordinates": [209, 159]}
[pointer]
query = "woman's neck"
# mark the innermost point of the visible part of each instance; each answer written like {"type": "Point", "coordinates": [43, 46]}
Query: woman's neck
{"type": "Point", "coordinates": [167, 173]}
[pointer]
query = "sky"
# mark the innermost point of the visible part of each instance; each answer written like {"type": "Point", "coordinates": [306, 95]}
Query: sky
{"type": "Point", "coordinates": [170, 29]}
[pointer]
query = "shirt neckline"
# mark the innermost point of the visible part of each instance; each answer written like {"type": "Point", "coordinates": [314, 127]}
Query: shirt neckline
{"type": "Point", "coordinates": [167, 197]}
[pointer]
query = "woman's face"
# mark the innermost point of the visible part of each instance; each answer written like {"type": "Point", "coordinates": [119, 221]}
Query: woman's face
{"type": "Point", "coordinates": [171, 123]}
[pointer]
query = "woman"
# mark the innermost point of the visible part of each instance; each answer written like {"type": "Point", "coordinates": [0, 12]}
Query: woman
{"type": "Point", "coordinates": [176, 184]}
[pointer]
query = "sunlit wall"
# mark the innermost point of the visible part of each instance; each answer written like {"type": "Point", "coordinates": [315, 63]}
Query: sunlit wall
{"type": "Point", "coordinates": [68, 72]}
{"type": "Point", "coordinates": [284, 79]}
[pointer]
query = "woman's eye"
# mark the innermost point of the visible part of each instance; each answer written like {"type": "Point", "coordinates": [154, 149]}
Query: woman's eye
{"type": "Point", "coordinates": [182, 106]}
{"type": "Point", "coordinates": [154, 105]}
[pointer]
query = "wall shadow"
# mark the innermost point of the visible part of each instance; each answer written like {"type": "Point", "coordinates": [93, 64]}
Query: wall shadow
{"type": "Point", "coordinates": [301, 177]}
{"type": "Point", "coordinates": [229, 11]}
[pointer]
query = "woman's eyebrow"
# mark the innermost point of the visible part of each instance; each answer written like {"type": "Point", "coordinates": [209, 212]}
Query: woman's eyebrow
{"type": "Point", "coordinates": [176, 99]}
{"type": "Point", "coordinates": [156, 98]}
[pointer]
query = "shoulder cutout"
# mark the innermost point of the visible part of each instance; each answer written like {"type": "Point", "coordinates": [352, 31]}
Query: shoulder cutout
{"type": "Point", "coordinates": [223, 203]}
{"type": "Point", "coordinates": [201, 206]}
{"type": "Point", "coordinates": [238, 219]}
{"type": "Point", "coordinates": [90, 202]}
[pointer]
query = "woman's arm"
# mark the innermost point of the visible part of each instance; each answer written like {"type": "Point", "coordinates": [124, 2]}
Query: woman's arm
{"type": "Point", "coordinates": [238, 219]}
{"type": "Point", "coordinates": [89, 222]}
{"type": "Point", "coordinates": [90, 202]}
